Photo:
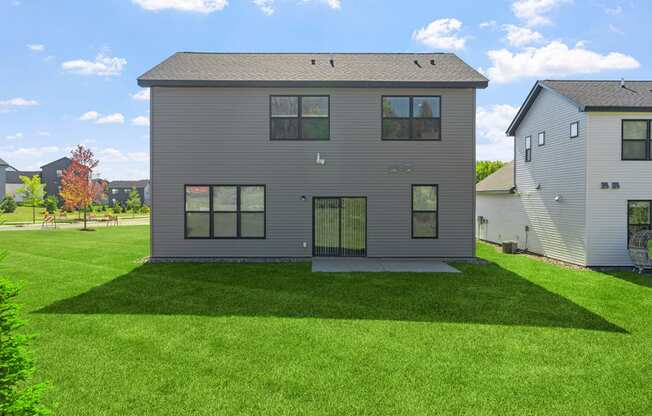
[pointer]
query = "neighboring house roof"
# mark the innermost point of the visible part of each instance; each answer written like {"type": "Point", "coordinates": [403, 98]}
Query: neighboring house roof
{"type": "Point", "coordinates": [592, 96]}
{"type": "Point", "coordinates": [13, 176]}
{"type": "Point", "coordinates": [3, 163]}
{"type": "Point", "coordinates": [129, 184]}
{"type": "Point", "coordinates": [501, 181]}
{"type": "Point", "coordinates": [56, 161]}
{"type": "Point", "coordinates": [322, 69]}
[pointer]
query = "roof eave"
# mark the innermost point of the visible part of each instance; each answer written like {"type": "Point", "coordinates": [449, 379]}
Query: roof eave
{"type": "Point", "coordinates": [496, 191]}
{"type": "Point", "coordinates": [312, 83]}
{"type": "Point", "coordinates": [618, 109]}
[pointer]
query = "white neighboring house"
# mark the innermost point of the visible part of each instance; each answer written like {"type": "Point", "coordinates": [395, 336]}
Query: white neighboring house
{"type": "Point", "coordinates": [582, 178]}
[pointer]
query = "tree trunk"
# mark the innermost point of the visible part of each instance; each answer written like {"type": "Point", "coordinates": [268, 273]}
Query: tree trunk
{"type": "Point", "coordinates": [84, 218]}
{"type": "Point", "coordinates": [33, 213]}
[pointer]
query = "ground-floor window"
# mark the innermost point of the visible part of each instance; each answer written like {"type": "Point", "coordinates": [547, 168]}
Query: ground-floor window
{"type": "Point", "coordinates": [425, 211]}
{"type": "Point", "coordinates": [225, 211]}
{"type": "Point", "coordinates": [639, 214]}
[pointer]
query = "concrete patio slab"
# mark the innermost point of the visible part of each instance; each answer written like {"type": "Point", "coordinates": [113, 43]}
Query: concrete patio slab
{"type": "Point", "coordinates": [341, 265]}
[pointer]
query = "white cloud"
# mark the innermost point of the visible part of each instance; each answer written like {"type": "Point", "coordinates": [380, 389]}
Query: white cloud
{"type": "Point", "coordinates": [333, 4]}
{"type": "Point", "coordinates": [36, 47]}
{"type": "Point", "coordinates": [44, 133]}
{"type": "Point", "coordinates": [532, 12]}
{"type": "Point", "coordinates": [16, 102]}
{"type": "Point", "coordinates": [104, 65]}
{"type": "Point", "coordinates": [89, 115]}
{"type": "Point", "coordinates": [115, 118]}
{"type": "Point", "coordinates": [613, 11]}
{"type": "Point", "coordinates": [488, 25]}
{"type": "Point", "coordinates": [198, 6]}
{"type": "Point", "coordinates": [24, 153]}
{"type": "Point", "coordinates": [142, 95]}
{"type": "Point", "coordinates": [16, 136]}
{"type": "Point", "coordinates": [553, 59]}
{"type": "Point", "coordinates": [615, 29]}
{"type": "Point", "coordinates": [265, 6]}
{"type": "Point", "coordinates": [140, 121]}
{"type": "Point", "coordinates": [491, 123]}
{"type": "Point", "coordinates": [521, 36]}
{"type": "Point", "coordinates": [111, 154]}
{"type": "Point", "coordinates": [441, 34]}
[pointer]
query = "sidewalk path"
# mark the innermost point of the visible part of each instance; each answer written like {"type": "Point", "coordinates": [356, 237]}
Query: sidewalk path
{"type": "Point", "coordinates": [91, 224]}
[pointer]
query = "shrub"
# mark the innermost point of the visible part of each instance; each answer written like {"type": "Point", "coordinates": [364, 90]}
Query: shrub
{"type": "Point", "coordinates": [17, 397]}
{"type": "Point", "coordinates": [51, 204]}
{"type": "Point", "coordinates": [117, 208]}
{"type": "Point", "coordinates": [144, 209]}
{"type": "Point", "coordinates": [8, 204]}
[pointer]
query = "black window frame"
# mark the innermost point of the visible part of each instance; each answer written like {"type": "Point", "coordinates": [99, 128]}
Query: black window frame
{"type": "Point", "coordinates": [413, 211]}
{"type": "Point", "coordinates": [211, 212]}
{"type": "Point", "coordinates": [649, 225]}
{"type": "Point", "coordinates": [648, 140]}
{"type": "Point", "coordinates": [528, 148]}
{"type": "Point", "coordinates": [539, 136]}
{"type": "Point", "coordinates": [577, 134]}
{"type": "Point", "coordinates": [299, 117]}
{"type": "Point", "coordinates": [411, 119]}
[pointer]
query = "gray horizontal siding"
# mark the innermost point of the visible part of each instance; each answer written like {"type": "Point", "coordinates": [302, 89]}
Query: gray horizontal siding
{"type": "Point", "coordinates": [221, 135]}
{"type": "Point", "coordinates": [558, 228]}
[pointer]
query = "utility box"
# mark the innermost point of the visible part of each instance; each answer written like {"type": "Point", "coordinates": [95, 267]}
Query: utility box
{"type": "Point", "coordinates": [510, 247]}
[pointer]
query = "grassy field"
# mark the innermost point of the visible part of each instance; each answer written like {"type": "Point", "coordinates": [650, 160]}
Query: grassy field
{"type": "Point", "coordinates": [24, 215]}
{"type": "Point", "coordinates": [517, 336]}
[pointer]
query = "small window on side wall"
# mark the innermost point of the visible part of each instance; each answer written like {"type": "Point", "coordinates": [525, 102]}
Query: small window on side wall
{"type": "Point", "coordinates": [542, 138]}
{"type": "Point", "coordinates": [425, 207]}
{"type": "Point", "coordinates": [574, 129]}
{"type": "Point", "coordinates": [299, 117]}
{"type": "Point", "coordinates": [528, 148]}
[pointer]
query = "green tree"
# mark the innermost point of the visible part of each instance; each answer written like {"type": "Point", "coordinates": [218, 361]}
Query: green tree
{"type": "Point", "coordinates": [33, 192]}
{"type": "Point", "coordinates": [8, 204]}
{"type": "Point", "coordinates": [17, 396]}
{"type": "Point", "coordinates": [133, 203]}
{"type": "Point", "coordinates": [484, 168]}
{"type": "Point", "coordinates": [51, 204]}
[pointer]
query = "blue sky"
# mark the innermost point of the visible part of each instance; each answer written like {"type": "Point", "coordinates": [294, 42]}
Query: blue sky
{"type": "Point", "coordinates": [68, 70]}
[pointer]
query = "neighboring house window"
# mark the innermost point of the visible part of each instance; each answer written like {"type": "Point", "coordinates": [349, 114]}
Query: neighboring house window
{"type": "Point", "coordinates": [425, 211]}
{"type": "Point", "coordinates": [542, 138]}
{"type": "Point", "coordinates": [636, 140]}
{"type": "Point", "coordinates": [411, 118]}
{"type": "Point", "coordinates": [574, 129]}
{"type": "Point", "coordinates": [639, 215]}
{"type": "Point", "coordinates": [114, 191]}
{"type": "Point", "coordinates": [299, 117]}
{"type": "Point", "coordinates": [528, 148]}
{"type": "Point", "coordinates": [225, 211]}
{"type": "Point", "coordinates": [59, 173]}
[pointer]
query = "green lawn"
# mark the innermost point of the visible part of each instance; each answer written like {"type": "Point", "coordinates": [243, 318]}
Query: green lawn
{"type": "Point", "coordinates": [517, 336]}
{"type": "Point", "coordinates": [24, 215]}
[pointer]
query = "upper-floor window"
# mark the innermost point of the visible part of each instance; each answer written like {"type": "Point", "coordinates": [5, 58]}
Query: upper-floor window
{"type": "Point", "coordinates": [411, 118]}
{"type": "Point", "coordinates": [528, 148]}
{"type": "Point", "coordinates": [574, 129]}
{"type": "Point", "coordinates": [299, 117]}
{"type": "Point", "coordinates": [59, 173]}
{"type": "Point", "coordinates": [636, 141]}
{"type": "Point", "coordinates": [542, 138]}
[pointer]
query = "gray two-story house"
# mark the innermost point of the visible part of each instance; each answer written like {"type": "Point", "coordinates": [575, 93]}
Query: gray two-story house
{"type": "Point", "coordinates": [119, 191]}
{"type": "Point", "coordinates": [51, 175]}
{"type": "Point", "coordinates": [268, 156]}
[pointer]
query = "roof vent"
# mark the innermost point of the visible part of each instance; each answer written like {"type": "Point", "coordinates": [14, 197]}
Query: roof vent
{"type": "Point", "coordinates": [312, 61]}
{"type": "Point", "coordinates": [432, 62]}
{"type": "Point", "coordinates": [622, 83]}
{"type": "Point", "coordinates": [416, 62]}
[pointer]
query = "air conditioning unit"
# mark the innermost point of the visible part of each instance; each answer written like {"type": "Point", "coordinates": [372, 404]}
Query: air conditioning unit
{"type": "Point", "coordinates": [510, 247]}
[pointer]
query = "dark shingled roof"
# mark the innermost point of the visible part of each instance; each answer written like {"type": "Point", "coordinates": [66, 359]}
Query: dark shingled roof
{"type": "Point", "coordinates": [3, 163]}
{"type": "Point", "coordinates": [604, 94]}
{"type": "Point", "coordinates": [13, 176]}
{"type": "Point", "coordinates": [297, 69]}
{"type": "Point", "coordinates": [501, 180]}
{"type": "Point", "coordinates": [587, 95]}
{"type": "Point", "coordinates": [129, 184]}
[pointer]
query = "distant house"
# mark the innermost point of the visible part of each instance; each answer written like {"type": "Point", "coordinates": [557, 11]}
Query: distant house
{"type": "Point", "coordinates": [3, 167]}
{"type": "Point", "coordinates": [118, 191]}
{"type": "Point", "coordinates": [581, 183]}
{"type": "Point", "coordinates": [13, 182]}
{"type": "Point", "coordinates": [51, 175]}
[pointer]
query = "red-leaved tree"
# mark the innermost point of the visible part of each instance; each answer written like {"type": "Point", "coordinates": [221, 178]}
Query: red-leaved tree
{"type": "Point", "coordinates": [78, 189]}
